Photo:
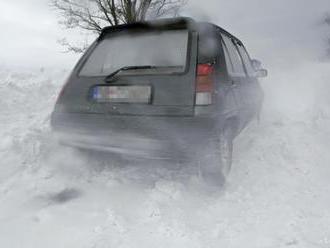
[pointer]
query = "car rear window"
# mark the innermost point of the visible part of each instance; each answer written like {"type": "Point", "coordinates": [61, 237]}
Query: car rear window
{"type": "Point", "coordinates": [164, 49]}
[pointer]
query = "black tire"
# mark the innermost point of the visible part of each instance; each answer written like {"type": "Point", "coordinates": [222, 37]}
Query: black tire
{"type": "Point", "coordinates": [216, 165]}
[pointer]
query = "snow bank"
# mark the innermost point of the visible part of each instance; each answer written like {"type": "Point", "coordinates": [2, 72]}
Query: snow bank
{"type": "Point", "coordinates": [277, 194]}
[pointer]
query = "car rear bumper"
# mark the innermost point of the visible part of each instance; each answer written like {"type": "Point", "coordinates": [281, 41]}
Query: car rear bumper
{"type": "Point", "coordinates": [114, 143]}
{"type": "Point", "coordinates": [142, 136]}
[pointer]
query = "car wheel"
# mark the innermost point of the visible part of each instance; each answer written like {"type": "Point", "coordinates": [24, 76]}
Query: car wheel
{"type": "Point", "coordinates": [225, 151]}
{"type": "Point", "coordinates": [216, 165]}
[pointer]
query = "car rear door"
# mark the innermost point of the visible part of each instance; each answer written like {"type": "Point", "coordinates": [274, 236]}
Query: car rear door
{"type": "Point", "coordinates": [251, 92]}
{"type": "Point", "coordinates": [236, 74]}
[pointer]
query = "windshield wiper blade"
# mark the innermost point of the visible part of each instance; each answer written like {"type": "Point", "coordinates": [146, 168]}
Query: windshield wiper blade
{"type": "Point", "coordinates": [127, 68]}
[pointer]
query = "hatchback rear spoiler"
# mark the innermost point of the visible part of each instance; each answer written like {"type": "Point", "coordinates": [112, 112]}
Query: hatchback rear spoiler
{"type": "Point", "coordinates": [161, 24]}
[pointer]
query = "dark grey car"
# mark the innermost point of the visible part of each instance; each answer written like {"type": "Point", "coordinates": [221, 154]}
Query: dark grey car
{"type": "Point", "coordinates": [173, 89]}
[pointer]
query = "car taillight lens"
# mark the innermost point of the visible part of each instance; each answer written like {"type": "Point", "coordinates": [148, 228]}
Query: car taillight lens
{"type": "Point", "coordinates": [204, 84]}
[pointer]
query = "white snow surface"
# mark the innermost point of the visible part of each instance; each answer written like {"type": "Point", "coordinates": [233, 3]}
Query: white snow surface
{"type": "Point", "coordinates": [278, 194]}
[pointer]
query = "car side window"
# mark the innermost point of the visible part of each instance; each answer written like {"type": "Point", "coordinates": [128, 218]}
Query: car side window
{"type": "Point", "coordinates": [246, 59]}
{"type": "Point", "coordinates": [229, 63]}
{"type": "Point", "coordinates": [237, 63]}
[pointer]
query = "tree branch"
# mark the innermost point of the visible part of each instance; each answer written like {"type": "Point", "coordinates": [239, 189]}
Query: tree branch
{"type": "Point", "coordinates": [93, 15]}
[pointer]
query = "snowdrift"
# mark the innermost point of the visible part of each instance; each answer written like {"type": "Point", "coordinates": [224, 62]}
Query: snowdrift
{"type": "Point", "coordinates": [277, 194]}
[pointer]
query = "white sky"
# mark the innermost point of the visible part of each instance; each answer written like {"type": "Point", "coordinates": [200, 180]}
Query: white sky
{"type": "Point", "coordinates": [30, 32]}
{"type": "Point", "coordinates": [273, 30]}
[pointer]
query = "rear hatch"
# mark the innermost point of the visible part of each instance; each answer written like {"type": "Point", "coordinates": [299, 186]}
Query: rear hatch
{"type": "Point", "coordinates": [136, 70]}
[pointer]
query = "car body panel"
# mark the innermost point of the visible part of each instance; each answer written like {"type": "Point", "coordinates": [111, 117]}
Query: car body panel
{"type": "Point", "coordinates": [149, 135]}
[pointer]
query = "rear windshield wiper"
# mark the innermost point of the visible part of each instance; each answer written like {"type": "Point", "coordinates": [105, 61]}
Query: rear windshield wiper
{"type": "Point", "coordinates": [127, 68]}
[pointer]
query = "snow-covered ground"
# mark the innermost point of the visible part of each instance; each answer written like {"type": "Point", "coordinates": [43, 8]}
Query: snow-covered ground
{"type": "Point", "coordinates": [278, 194]}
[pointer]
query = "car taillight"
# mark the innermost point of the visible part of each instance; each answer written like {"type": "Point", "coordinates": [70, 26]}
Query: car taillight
{"type": "Point", "coordinates": [204, 84]}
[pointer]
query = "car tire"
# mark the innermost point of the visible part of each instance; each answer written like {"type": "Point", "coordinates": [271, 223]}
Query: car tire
{"type": "Point", "coordinates": [216, 165]}
{"type": "Point", "coordinates": [225, 151]}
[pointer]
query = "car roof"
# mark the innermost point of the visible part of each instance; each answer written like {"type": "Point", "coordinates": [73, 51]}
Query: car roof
{"type": "Point", "coordinates": [216, 27]}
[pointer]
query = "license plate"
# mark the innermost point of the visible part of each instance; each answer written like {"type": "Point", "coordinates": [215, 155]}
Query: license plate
{"type": "Point", "coordinates": [122, 94]}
